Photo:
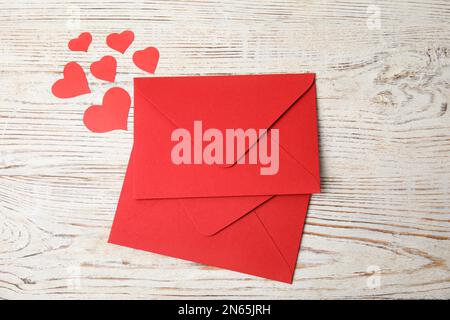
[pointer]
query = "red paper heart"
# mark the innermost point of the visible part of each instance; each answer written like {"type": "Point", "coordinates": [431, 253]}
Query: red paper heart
{"type": "Point", "coordinates": [146, 59]}
{"type": "Point", "coordinates": [112, 114]}
{"type": "Point", "coordinates": [120, 41]}
{"type": "Point", "coordinates": [81, 43]}
{"type": "Point", "coordinates": [105, 68]}
{"type": "Point", "coordinates": [73, 84]}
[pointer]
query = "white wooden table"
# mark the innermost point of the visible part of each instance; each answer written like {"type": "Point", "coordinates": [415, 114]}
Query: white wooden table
{"type": "Point", "coordinates": [381, 227]}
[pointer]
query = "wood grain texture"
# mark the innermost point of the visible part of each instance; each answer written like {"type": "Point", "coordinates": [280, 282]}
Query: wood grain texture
{"type": "Point", "coordinates": [381, 227]}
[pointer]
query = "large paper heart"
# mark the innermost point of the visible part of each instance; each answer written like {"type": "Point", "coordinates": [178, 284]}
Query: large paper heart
{"type": "Point", "coordinates": [105, 68]}
{"type": "Point", "coordinates": [81, 43]}
{"type": "Point", "coordinates": [146, 59]}
{"type": "Point", "coordinates": [112, 114]}
{"type": "Point", "coordinates": [120, 41]}
{"type": "Point", "coordinates": [73, 84]}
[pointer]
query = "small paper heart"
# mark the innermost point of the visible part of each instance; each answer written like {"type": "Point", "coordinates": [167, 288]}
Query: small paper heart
{"type": "Point", "coordinates": [112, 114]}
{"type": "Point", "coordinates": [120, 41]}
{"type": "Point", "coordinates": [146, 59]}
{"type": "Point", "coordinates": [105, 68]}
{"type": "Point", "coordinates": [81, 43]}
{"type": "Point", "coordinates": [73, 83]}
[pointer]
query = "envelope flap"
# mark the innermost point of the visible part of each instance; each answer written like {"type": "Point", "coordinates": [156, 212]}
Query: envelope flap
{"type": "Point", "coordinates": [224, 102]}
{"type": "Point", "coordinates": [212, 215]}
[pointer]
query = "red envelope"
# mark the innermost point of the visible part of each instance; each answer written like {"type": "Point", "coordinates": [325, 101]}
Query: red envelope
{"type": "Point", "coordinates": [254, 227]}
{"type": "Point", "coordinates": [286, 102]}
{"type": "Point", "coordinates": [264, 242]}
